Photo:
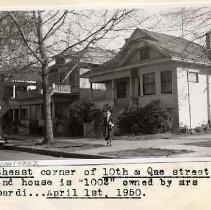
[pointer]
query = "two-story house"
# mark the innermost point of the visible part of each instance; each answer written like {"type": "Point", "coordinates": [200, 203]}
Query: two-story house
{"type": "Point", "coordinates": [25, 98]}
{"type": "Point", "coordinates": [152, 66]}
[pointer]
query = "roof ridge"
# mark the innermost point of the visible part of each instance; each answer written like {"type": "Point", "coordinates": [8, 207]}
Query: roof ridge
{"type": "Point", "coordinates": [167, 35]}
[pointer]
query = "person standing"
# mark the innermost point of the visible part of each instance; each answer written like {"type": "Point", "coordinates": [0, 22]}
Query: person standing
{"type": "Point", "coordinates": [108, 125]}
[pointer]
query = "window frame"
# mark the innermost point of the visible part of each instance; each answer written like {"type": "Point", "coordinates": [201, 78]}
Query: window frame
{"type": "Point", "coordinates": [148, 84]}
{"type": "Point", "coordinates": [162, 83]}
{"type": "Point", "coordinates": [196, 74]}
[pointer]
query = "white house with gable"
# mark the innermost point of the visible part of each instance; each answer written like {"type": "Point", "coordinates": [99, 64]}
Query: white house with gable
{"type": "Point", "coordinates": [153, 66]}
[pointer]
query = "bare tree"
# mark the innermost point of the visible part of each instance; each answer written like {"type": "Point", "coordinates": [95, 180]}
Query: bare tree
{"type": "Point", "coordinates": [43, 34]}
{"type": "Point", "coordinates": [191, 22]}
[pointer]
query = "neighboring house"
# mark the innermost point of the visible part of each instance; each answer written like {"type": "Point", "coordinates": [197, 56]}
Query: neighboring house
{"type": "Point", "coordinates": [14, 87]}
{"type": "Point", "coordinates": [152, 66]}
{"type": "Point", "coordinates": [25, 93]}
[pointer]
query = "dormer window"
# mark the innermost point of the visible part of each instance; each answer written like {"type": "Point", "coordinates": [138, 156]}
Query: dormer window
{"type": "Point", "coordinates": [144, 53]}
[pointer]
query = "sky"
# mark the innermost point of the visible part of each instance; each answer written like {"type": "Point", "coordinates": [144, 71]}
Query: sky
{"type": "Point", "coordinates": [190, 22]}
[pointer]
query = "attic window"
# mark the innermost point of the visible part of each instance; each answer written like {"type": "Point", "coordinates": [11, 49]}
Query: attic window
{"type": "Point", "coordinates": [144, 53]}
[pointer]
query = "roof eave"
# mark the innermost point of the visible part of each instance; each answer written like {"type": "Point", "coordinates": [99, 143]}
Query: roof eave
{"type": "Point", "coordinates": [173, 58]}
{"type": "Point", "coordinates": [132, 66]}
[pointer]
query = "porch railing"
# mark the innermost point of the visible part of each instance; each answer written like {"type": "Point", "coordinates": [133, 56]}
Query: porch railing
{"type": "Point", "coordinates": [61, 88]}
{"type": "Point", "coordinates": [39, 92]}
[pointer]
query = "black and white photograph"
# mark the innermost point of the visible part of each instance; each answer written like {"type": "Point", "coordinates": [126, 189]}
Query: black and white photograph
{"type": "Point", "coordinates": [105, 83]}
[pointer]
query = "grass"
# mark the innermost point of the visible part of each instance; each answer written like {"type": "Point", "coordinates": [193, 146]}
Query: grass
{"type": "Point", "coordinates": [200, 144]}
{"type": "Point", "coordinates": [58, 145]}
{"type": "Point", "coordinates": [148, 152]}
{"type": "Point", "coordinates": [72, 146]}
{"type": "Point", "coordinates": [144, 137]}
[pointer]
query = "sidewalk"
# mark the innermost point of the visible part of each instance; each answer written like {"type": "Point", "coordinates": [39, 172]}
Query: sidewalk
{"type": "Point", "coordinates": [177, 146]}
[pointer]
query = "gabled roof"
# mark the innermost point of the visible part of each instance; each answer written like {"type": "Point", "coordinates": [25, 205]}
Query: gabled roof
{"type": "Point", "coordinates": [97, 55]}
{"type": "Point", "coordinates": [91, 55]}
{"type": "Point", "coordinates": [169, 46]}
{"type": "Point", "coordinates": [27, 75]}
{"type": "Point", "coordinates": [179, 47]}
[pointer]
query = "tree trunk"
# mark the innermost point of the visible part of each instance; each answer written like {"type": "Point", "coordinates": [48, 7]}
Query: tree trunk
{"type": "Point", "coordinates": [48, 125]}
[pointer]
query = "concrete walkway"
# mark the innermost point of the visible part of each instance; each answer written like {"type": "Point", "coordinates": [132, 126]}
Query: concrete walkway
{"type": "Point", "coordinates": [86, 147]}
{"type": "Point", "coordinates": [174, 144]}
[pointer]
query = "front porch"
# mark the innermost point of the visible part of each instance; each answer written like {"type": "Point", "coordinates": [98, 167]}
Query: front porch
{"type": "Point", "coordinates": [122, 89]}
{"type": "Point", "coordinates": [27, 116]}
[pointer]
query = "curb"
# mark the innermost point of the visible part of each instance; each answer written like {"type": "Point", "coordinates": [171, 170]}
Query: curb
{"type": "Point", "coordinates": [55, 153]}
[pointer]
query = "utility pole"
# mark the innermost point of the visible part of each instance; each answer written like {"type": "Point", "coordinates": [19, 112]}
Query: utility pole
{"type": "Point", "coordinates": [208, 52]}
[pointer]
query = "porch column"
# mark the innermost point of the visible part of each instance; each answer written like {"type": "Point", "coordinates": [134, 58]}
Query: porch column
{"type": "Point", "coordinates": [40, 111]}
{"type": "Point", "coordinates": [53, 110]}
{"type": "Point", "coordinates": [131, 92]}
{"type": "Point", "coordinates": [91, 92]}
{"type": "Point", "coordinates": [19, 113]}
{"type": "Point", "coordinates": [29, 117]}
{"type": "Point", "coordinates": [13, 91]}
{"type": "Point", "coordinates": [113, 91]}
{"type": "Point", "coordinates": [28, 112]}
{"type": "Point", "coordinates": [13, 115]}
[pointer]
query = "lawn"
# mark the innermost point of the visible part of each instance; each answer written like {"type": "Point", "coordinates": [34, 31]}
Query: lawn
{"type": "Point", "coordinates": [72, 146]}
{"type": "Point", "coordinates": [200, 144]}
{"type": "Point", "coordinates": [144, 137]}
{"type": "Point", "coordinates": [55, 145]}
{"type": "Point", "coordinates": [148, 152]}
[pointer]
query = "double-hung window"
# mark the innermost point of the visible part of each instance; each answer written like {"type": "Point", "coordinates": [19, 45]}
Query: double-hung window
{"type": "Point", "coordinates": [166, 82]}
{"type": "Point", "coordinates": [149, 84]}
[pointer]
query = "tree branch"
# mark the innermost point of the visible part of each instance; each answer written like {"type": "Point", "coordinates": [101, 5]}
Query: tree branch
{"type": "Point", "coordinates": [24, 37]}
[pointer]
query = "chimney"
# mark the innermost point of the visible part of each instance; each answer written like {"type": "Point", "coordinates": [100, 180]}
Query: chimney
{"type": "Point", "coordinates": [126, 40]}
{"type": "Point", "coordinates": [208, 44]}
{"type": "Point", "coordinates": [208, 39]}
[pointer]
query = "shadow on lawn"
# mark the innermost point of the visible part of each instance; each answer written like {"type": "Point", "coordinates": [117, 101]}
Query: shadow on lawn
{"type": "Point", "coordinates": [148, 152]}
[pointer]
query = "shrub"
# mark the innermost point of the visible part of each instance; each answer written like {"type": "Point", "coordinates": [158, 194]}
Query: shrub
{"type": "Point", "coordinates": [198, 129]}
{"type": "Point", "coordinates": [183, 129]}
{"type": "Point", "coordinates": [150, 119]}
{"type": "Point", "coordinates": [128, 121]}
{"type": "Point", "coordinates": [205, 127]}
{"type": "Point", "coordinates": [82, 113]}
{"type": "Point", "coordinates": [202, 128]}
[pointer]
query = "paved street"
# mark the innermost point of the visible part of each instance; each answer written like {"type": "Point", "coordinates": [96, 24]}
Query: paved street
{"type": "Point", "coordinates": [16, 155]}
